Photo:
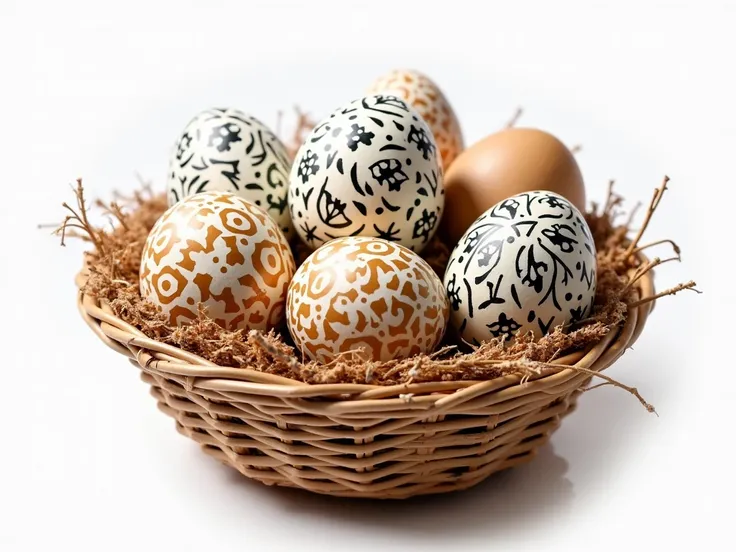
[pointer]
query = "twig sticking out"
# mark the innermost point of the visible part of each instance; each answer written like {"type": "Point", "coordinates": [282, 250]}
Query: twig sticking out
{"type": "Point", "coordinates": [114, 210]}
{"type": "Point", "coordinates": [539, 368]}
{"type": "Point", "coordinates": [514, 118]}
{"type": "Point", "coordinates": [145, 184]}
{"type": "Point", "coordinates": [658, 193]}
{"type": "Point", "coordinates": [78, 219]}
{"type": "Point", "coordinates": [633, 390]}
{"type": "Point", "coordinates": [634, 248]}
{"type": "Point", "coordinates": [644, 269]}
{"type": "Point", "coordinates": [576, 149]}
{"type": "Point", "coordinates": [632, 214]}
{"type": "Point", "coordinates": [304, 125]}
{"type": "Point", "coordinates": [672, 291]}
{"type": "Point", "coordinates": [279, 121]}
{"type": "Point", "coordinates": [675, 247]}
{"type": "Point", "coordinates": [612, 199]}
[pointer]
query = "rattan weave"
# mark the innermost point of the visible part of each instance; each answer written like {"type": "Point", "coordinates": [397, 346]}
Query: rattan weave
{"type": "Point", "coordinates": [360, 440]}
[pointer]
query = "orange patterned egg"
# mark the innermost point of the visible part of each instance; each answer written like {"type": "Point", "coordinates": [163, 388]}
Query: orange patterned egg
{"type": "Point", "coordinates": [366, 293]}
{"type": "Point", "coordinates": [223, 252]}
{"type": "Point", "coordinates": [425, 96]}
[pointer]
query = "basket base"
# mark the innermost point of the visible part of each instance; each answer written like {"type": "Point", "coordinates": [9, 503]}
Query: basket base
{"type": "Point", "coordinates": [398, 467]}
{"type": "Point", "coordinates": [459, 484]}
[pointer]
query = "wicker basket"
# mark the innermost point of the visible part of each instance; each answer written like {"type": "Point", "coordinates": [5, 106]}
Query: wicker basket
{"type": "Point", "coordinates": [360, 440]}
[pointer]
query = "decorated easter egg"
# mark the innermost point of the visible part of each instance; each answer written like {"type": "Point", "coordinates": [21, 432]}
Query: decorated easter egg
{"type": "Point", "coordinates": [223, 252]}
{"type": "Point", "coordinates": [504, 164]}
{"type": "Point", "coordinates": [423, 94]}
{"type": "Point", "coordinates": [371, 168]}
{"type": "Point", "coordinates": [369, 295]}
{"type": "Point", "coordinates": [228, 150]}
{"type": "Point", "coordinates": [528, 264]}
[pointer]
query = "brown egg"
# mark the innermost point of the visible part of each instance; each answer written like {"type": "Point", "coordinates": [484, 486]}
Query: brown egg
{"type": "Point", "coordinates": [504, 164]}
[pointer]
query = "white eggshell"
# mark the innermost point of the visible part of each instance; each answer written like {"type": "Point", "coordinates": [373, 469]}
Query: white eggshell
{"type": "Point", "coordinates": [368, 293]}
{"type": "Point", "coordinates": [228, 150]}
{"type": "Point", "coordinates": [220, 250]}
{"type": "Point", "coordinates": [423, 94]}
{"type": "Point", "coordinates": [526, 264]}
{"type": "Point", "coordinates": [371, 168]}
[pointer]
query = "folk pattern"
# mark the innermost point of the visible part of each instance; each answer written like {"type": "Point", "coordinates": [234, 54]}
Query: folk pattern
{"type": "Point", "coordinates": [366, 293]}
{"type": "Point", "coordinates": [228, 150]}
{"type": "Point", "coordinates": [527, 264]}
{"type": "Point", "coordinates": [371, 168]}
{"type": "Point", "coordinates": [424, 95]}
{"type": "Point", "coordinates": [222, 251]}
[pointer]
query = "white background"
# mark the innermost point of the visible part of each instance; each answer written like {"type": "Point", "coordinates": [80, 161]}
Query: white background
{"type": "Point", "coordinates": [99, 90]}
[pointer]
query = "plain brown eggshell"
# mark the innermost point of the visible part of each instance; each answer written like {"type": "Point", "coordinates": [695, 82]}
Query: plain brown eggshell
{"type": "Point", "coordinates": [504, 164]}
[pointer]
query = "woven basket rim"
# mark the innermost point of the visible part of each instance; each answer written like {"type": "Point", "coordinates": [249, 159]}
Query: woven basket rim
{"type": "Point", "coordinates": [194, 371]}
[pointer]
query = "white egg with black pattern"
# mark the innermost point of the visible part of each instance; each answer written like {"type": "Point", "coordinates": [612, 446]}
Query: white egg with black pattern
{"type": "Point", "coordinates": [370, 168]}
{"type": "Point", "coordinates": [528, 264]}
{"type": "Point", "coordinates": [227, 150]}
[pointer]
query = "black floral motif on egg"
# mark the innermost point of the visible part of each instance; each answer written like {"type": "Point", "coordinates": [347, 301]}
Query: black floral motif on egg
{"type": "Point", "coordinates": [553, 202]}
{"type": "Point", "coordinates": [308, 166]}
{"type": "Point", "coordinates": [358, 135]}
{"type": "Point", "coordinates": [182, 148]}
{"type": "Point", "coordinates": [525, 265]}
{"type": "Point", "coordinates": [419, 136]}
{"type": "Point", "coordinates": [223, 135]}
{"type": "Point", "coordinates": [389, 172]}
{"type": "Point", "coordinates": [423, 228]}
{"type": "Point", "coordinates": [453, 292]}
{"type": "Point", "coordinates": [561, 236]}
{"type": "Point", "coordinates": [504, 326]}
{"type": "Point", "coordinates": [225, 149]}
{"type": "Point", "coordinates": [373, 167]}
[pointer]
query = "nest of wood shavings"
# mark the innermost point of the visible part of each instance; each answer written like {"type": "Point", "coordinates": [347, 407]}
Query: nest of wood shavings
{"type": "Point", "coordinates": [114, 261]}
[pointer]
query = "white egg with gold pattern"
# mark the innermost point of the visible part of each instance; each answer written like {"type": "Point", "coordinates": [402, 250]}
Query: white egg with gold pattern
{"type": "Point", "coordinates": [366, 294]}
{"type": "Point", "coordinates": [223, 252]}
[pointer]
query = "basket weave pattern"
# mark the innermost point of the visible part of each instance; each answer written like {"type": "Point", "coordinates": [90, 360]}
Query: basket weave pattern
{"type": "Point", "coordinates": [360, 440]}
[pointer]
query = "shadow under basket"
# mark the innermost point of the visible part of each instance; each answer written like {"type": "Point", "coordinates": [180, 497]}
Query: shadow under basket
{"type": "Point", "coordinates": [355, 440]}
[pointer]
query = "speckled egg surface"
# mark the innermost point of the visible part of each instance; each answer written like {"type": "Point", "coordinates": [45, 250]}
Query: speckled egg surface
{"type": "Point", "coordinates": [228, 150]}
{"type": "Point", "coordinates": [220, 250]}
{"type": "Point", "coordinates": [526, 264]}
{"type": "Point", "coordinates": [366, 293]}
{"type": "Point", "coordinates": [371, 168]}
{"type": "Point", "coordinates": [423, 94]}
